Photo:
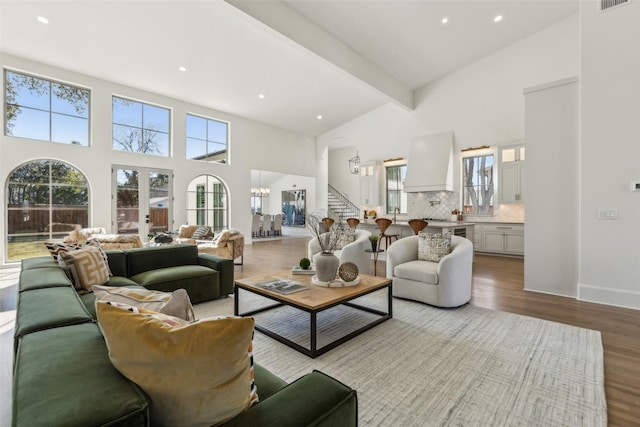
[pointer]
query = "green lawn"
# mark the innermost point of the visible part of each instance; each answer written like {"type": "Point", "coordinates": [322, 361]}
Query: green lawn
{"type": "Point", "coordinates": [21, 250]}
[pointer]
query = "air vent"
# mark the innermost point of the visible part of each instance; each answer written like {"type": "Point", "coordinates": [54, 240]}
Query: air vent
{"type": "Point", "coordinates": [608, 4]}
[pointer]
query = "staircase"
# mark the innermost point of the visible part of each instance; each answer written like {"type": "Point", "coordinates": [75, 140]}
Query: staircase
{"type": "Point", "coordinates": [340, 206]}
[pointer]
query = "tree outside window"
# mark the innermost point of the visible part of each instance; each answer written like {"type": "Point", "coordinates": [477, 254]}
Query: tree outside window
{"type": "Point", "coordinates": [477, 184]}
{"type": "Point", "coordinates": [396, 197]}
{"type": "Point", "coordinates": [140, 127]}
{"type": "Point", "coordinates": [45, 110]}
{"type": "Point", "coordinates": [46, 199]}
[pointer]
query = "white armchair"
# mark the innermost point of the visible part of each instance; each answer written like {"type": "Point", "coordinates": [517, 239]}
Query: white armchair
{"type": "Point", "coordinates": [353, 252]}
{"type": "Point", "coordinates": [444, 284]}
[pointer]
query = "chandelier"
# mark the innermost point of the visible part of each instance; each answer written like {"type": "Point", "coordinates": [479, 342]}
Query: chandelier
{"type": "Point", "coordinates": [260, 191]}
{"type": "Point", "coordinates": [354, 164]}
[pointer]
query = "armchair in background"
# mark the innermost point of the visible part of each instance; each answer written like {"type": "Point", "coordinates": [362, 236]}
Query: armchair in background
{"type": "Point", "coordinates": [353, 252]}
{"type": "Point", "coordinates": [446, 283]}
{"type": "Point", "coordinates": [227, 244]}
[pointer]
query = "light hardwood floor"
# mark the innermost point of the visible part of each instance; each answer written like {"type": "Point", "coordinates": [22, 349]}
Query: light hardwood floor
{"type": "Point", "coordinates": [497, 284]}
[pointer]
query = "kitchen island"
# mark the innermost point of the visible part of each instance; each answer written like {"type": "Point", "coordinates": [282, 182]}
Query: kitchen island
{"type": "Point", "coordinates": [402, 228]}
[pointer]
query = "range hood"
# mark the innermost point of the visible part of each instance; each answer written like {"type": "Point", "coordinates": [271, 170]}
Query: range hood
{"type": "Point", "coordinates": [430, 164]}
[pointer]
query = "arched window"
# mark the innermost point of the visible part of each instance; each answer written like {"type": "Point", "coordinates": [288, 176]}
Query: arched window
{"type": "Point", "coordinates": [46, 199]}
{"type": "Point", "coordinates": [207, 203]}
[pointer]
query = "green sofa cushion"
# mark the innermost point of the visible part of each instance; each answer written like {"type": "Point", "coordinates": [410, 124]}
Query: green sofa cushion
{"type": "Point", "coordinates": [63, 377]}
{"type": "Point", "coordinates": [315, 399]}
{"type": "Point", "coordinates": [267, 382]}
{"type": "Point", "coordinates": [38, 262]}
{"type": "Point", "coordinates": [117, 262]}
{"type": "Point", "coordinates": [44, 277]}
{"type": "Point", "coordinates": [140, 260]}
{"type": "Point", "coordinates": [201, 283]}
{"type": "Point", "coordinates": [49, 308]}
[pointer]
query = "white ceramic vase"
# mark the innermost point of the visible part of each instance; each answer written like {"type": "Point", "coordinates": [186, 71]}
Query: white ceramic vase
{"type": "Point", "coordinates": [326, 266]}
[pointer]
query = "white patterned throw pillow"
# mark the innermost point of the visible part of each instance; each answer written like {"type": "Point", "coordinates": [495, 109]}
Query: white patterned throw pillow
{"type": "Point", "coordinates": [433, 247]}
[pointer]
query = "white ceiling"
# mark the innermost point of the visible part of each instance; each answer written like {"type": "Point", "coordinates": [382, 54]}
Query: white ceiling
{"type": "Point", "coordinates": [338, 58]}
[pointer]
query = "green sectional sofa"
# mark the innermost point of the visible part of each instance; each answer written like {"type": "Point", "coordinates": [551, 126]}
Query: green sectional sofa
{"type": "Point", "coordinates": [62, 372]}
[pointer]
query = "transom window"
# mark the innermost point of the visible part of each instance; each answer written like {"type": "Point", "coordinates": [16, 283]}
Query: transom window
{"type": "Point", "coordinates": [140, 127]}
{"type": "Point", "coordinates": [207, 203]}
{"type": "Point", "coordinates": [45, 110]}
{"type": "Point", "coordinates": [207, 139]}
{"type": "Point", "coordinates": [396, 197]}
{"type": "Point", "coordinates": [46, 199]}
{"type": "Point", "coordinates": [477, 184]}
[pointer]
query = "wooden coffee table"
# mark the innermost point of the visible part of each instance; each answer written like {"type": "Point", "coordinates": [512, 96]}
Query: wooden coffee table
{"type": "Point", "coordinates": [313, 301]}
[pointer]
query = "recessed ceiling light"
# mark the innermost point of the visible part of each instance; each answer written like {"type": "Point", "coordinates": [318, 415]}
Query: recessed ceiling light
{"type": "Point", "coordinates": [182, 68]}
{"type": "Point", "coordinates": [319, 117]}
{"type": "Point", "coordinates": [43, 20]}
{"type": "Point", "coordinates": [261, 96]}
{"type": "Point", "coordinates": [498, 18]}
{"type": "Point", "coordinates": [445, 20]}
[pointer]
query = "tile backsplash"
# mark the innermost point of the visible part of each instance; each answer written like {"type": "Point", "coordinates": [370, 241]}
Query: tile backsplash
{"type": "Point", "coordinates": [439, 204]}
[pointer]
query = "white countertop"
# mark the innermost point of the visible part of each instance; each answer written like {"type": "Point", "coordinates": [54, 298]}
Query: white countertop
{"type": "Point", "coordinates": [433, 224]}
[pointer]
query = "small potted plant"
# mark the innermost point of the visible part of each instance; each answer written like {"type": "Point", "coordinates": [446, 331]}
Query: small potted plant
{"type": "Point", "coordinates": [374, 242]}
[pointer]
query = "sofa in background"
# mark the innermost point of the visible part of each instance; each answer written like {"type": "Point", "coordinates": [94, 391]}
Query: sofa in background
{"type": "Point", "coordinates": [107, 241]}
{"type": "Point", "coordinates": [63, 375]}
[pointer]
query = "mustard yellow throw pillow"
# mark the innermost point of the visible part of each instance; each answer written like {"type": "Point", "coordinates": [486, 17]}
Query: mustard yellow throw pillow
{"type": "Point", "coordinates": [198, 374]}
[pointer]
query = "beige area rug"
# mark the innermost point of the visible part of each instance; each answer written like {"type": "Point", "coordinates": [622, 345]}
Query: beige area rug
{"type": "Point", "coordinates": [433, 367]}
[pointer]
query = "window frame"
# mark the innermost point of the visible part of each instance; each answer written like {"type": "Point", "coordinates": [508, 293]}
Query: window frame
{"type": "Point", "coordinates": [401, 195]}
{"type": "Point", "coordinates": [207, 141]}
{"type": "Point", "coordinates": [142, 128]}
{"type": "Point", "coordinates": [51, 113]}
{"type": "Point", "coordinates": [54, 211]}
{"type": "Point", "coordinates": [216, 202]}
{"type": "Point", "coordinates": [469, 208]}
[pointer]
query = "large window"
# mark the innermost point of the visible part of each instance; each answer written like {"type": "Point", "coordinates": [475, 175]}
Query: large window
{"type": "Point", "coordinates": [207, 139]}
{"type": "Point", "coordinates": [477, 184]}
{"type": "Point", "coordinates": [46, 199]}
{"type": "Point", "coordinates": [45, 110]}
{"type": "Point", "coordinates": [140, 127]}
{"type": "Point", "coordinates": [396, 197]}
{"type": "Point", "coordinates": [207, 203]}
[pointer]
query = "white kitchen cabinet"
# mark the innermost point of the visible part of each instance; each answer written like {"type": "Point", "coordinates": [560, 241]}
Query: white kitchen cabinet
{"type": "Point", "coordinates": [507, 239]}
{"type": "Point", "coordinates": [370, 185]}
{"type": "Point", "coordinates": [511, 185]}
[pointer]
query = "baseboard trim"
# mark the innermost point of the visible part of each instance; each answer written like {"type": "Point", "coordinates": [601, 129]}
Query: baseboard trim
{"type": "Point", "coordinates": [609, 296]}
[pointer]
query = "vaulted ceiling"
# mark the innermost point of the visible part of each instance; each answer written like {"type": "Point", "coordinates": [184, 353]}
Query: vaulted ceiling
{"type": "Point", "coordinates": [335, 59]}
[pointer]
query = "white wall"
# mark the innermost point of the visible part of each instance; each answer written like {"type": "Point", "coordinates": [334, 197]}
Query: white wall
{"type": "Point", "coordinates": [482, 103]}
{"type": "Point", "coordinates": [253, 146]}
{"type": "Point", "coordinates": [552, 168]}
{"type": "Point", "coordinates": [610, 154]}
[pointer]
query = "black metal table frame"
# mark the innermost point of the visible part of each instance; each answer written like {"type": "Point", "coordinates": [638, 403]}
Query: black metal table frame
{"type": "Point", "coordinates": [313, 351]}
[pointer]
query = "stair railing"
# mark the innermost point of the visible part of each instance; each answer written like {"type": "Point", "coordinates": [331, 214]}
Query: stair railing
{"type": "Point", "coordinates": [349, 209]}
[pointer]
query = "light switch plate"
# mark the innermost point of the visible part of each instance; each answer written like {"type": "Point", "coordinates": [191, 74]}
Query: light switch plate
{"type": "Point", "coordinates": [607, 214]}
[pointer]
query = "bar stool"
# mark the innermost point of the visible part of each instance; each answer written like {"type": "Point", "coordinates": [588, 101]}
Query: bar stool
{"type": "Point", "coordinates": [353, 222]}
{"type": "Point", "coordinates": [383, 224]}
{"type": "Point", "coordinates": [327, 223]}
{"type": "Point", "coordinates": [417, 225]}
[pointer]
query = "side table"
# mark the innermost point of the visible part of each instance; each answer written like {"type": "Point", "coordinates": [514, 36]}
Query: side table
{"type": "Point", "coordinates": [375, 259]}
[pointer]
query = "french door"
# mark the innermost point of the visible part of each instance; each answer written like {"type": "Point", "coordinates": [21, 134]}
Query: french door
{"type": "Point", "coordinates": [142, 201]}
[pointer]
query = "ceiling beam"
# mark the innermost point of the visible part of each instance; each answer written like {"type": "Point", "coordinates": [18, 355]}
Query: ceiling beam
{"type": "Point", "coordinates": [301, 32]}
